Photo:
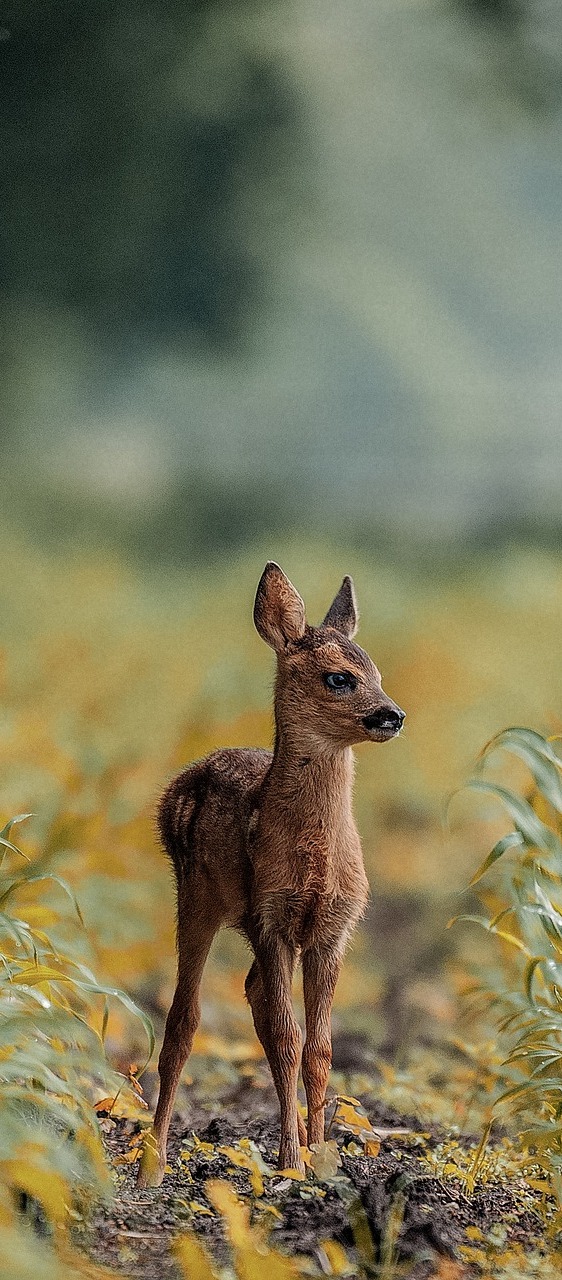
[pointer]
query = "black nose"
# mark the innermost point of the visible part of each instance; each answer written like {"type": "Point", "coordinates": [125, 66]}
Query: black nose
{"type": "Point", "coordinates": [385, 718]}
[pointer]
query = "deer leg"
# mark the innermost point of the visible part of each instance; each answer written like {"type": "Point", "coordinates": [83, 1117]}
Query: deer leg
{"type": "Point", "coordinates": [195, 934]}
{"type": "Point", "coordinates": [256, 999]}
{"type": "Point", "coordinates": [320, 970]}
{"type": "Point", "coordinates": [276, 963]}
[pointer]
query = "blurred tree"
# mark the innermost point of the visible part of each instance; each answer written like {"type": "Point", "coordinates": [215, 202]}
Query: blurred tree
{"type": "Point", "coordinates": [136, 136]}
{"type": "Point", "coordinates": [507, 13]}
{"type": "Point", "coordinates": [524, 47]}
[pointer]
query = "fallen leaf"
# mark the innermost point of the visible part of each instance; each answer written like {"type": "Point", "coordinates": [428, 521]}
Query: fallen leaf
{"type": "Point", "coordinates": [474, 1233]}
{"type": "Point", "coordinates": [129, 1157]}
{"type": "Point", "coordinates": [325, 1160]}
{"type": "Point", "coordinates": [337, 1257]}
{"type": "Point", "coordinates": [372, 1147]}
{"type": "Point", "coordinates": [247, 1160]}
{"type": "Point", "coordinates": [391, 1133]}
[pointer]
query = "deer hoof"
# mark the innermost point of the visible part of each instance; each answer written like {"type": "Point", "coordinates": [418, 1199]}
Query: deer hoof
{"type": "Point", "coordinates": [152, 1165]}
{"type": "Point", "coordinates": [291, 1160]}
{"type": "Point", "coordinates": [149, 1177]}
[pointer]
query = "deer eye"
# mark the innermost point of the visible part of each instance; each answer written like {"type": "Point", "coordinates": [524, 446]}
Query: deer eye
{"type": "Point", "coordinates": [340, 681]}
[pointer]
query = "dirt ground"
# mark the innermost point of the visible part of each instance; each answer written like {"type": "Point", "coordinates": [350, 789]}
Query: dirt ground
{"type": "Point", "coordinates": [387, 1205]}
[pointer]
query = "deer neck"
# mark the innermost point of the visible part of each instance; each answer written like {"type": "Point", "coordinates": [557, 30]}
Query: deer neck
{"type": "Point", "coordinates": [310, 785]}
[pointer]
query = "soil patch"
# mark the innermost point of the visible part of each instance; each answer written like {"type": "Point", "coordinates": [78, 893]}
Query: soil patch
{"type": "Point", "coordinates": [391, 1204]}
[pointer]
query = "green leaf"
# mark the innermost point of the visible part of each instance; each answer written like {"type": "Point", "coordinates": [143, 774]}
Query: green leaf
{"type": "Point", "coordinates": [20, 817]}
{"type": "Point", "coordinates": [489, 926]}
{"type": "Point", "coordinates": [35, 880]}
{"type": "Point", "coordinates": [18, 930]}
{"type": "Point", "coordinates": [501, 915]}
{"type": "Point", "coordinates": [510, 841]}
{"type": "Point", "coordinates": [128, 1004]}
{"type": "Point", "coordinates": [530, 1086]}
{"type": "Point", "coordinates": [529, 739]}
{"type": "Point", "coordinates": [105, 1019]}
{"type": "Point", "coordinates": [530, 971]}
{"type": "Point", "coordinates": [534, 832]}
{"type": "Point", "coordinates": [7, 844]}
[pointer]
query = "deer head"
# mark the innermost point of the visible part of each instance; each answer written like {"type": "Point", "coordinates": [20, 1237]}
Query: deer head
{"type": "Point", "coordinates": [328, 690]}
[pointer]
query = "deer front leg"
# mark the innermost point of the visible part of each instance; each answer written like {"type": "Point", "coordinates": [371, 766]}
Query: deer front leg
{"type": "Point", "coordinates": [256, 999]}
{"type": "Point", "coordinates": [320, 968]}
{"type": "Point", "coordinates": [282, 1042]}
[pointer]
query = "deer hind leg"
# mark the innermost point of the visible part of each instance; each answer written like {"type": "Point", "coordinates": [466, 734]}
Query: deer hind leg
{"type": "Point", "coordinates": [197, 924]}
{"type": "Point", "coordinates": [256, 999]}
{"type": "Point", "coordinates": [320, 969]}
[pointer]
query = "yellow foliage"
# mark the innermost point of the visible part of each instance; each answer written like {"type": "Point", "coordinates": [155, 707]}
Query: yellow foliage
{"type": "Point", "coordinates": [252, 1257]}
{"type": "Point", "coordinates": [470, 1254]}
{"type": "Point", "coordinates": [247, 1156]}
{"type": "Point", "coordinates": [80, 690]}
{"type": "Point", "coordinates": [348, 1115]}
{"type": "Point", "coordinates": [337, 1258]}
{"type": "Point", "coordinates": [103, 700]}
{"type": "Point", "coordinates": [372, 1146]}
{"type": "Point", "coordinates": [325, 1160]}
{"type": "Point", "coordinates": [228, 1050]}
{"type": "Point", "coordinates": [193, 1259]}
{"type": "Point", "coordinates": [235, 1214]}
{"type": "Point", "coordinates": [43, 1184]}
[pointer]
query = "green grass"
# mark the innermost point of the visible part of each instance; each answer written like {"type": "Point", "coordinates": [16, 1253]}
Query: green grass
{"type": "Point", "coordinates": [53, 1016]}
{"type": "Point", "coordinates": [520, 883]}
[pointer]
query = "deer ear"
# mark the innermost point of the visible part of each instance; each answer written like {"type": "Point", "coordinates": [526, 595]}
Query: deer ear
{"type": "Point", "coordinates": [343, 613]}
{"type": "Point", "coordinates": [278, 609]}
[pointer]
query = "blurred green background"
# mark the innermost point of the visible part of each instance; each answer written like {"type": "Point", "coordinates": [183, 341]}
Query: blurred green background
{"type": "Point", "coordinates": [277, 281]}
{"type": "Point", "coordinates": [268, 266]}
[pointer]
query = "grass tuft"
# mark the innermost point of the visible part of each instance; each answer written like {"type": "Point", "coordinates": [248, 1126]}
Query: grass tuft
{"type": "Point", "coordinates": [52, 1067]}
{"type": "Point", "coordinates": [520, 886]}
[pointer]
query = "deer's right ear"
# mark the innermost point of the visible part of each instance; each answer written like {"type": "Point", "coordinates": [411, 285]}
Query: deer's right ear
{"type": "Point", "coordinates": [278, 609]}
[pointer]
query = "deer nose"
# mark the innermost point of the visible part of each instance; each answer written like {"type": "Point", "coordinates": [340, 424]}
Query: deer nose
{"type": "Point", "coordinates": [385, 718]}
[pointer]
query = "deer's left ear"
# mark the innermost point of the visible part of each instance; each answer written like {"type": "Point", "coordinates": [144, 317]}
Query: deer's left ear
{"type": "Point", "coordinates": [343, 614]}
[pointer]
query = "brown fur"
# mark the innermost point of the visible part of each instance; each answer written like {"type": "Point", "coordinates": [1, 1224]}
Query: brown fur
{"type": "Point", "coordinates": [265, 842]}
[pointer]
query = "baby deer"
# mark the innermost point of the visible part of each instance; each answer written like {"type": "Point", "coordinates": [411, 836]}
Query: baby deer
{"type": "Point", "coordinates": [266, 843]}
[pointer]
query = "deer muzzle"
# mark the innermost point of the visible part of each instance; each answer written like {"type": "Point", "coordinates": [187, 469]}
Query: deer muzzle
{"type": "Point", "coordinates": [385, 722]}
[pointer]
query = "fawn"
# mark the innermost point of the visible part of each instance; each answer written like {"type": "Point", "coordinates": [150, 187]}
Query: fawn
{"type": "Point", "coordinates": [265, 842]}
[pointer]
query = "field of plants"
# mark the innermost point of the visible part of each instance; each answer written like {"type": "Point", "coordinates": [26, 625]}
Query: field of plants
{"type": "Point", "coordinates": [444, 1150]}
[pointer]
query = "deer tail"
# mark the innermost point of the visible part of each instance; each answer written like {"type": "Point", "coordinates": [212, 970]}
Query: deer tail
{"type": "Point", "coordinates": [175, 817]}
